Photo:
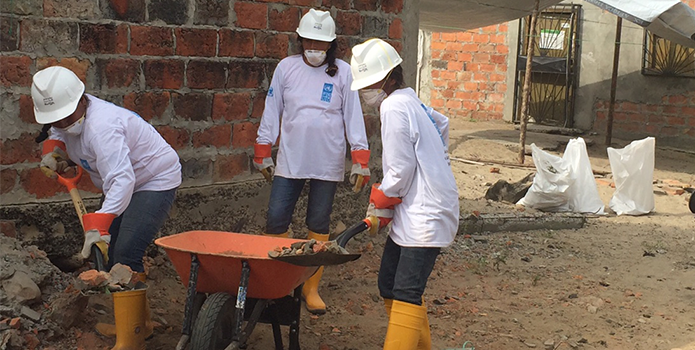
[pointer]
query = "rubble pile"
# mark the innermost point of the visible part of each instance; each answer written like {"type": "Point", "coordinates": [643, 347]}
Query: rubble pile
{"type": "Point", "coordinates": [120, 278]}
{"type": "Point", "coordinates": [38, 302]}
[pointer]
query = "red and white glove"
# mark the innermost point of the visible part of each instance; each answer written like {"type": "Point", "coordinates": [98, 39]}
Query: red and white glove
{"type": "Point", "coordinates": [54, 158]}
{"type": "Point", "coordinates": [382, 207]}
{"type": "Point", "coordinates": [359, 175]}
{"type": "Point", "coordinates": [96, 231]}
{"type": "Point", "coordinates": [263, 161]}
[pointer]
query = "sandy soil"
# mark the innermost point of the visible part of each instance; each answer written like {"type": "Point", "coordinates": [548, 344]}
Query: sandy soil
{"type": "Point", "coordinates": [619, 283]}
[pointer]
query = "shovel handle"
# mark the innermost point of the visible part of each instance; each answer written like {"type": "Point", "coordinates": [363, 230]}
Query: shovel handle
{"type": "Point", "coordinates": [358, 184]}
{"type": "Point", "coordinates": [267, 175]}
{"type": "Point", "coordinates": [347, 235]}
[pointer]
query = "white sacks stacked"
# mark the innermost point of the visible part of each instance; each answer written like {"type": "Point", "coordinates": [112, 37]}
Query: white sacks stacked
{"type": "Point", "coordinates": [633, 171]}
{"type": "Point", "coordinates": [564, 184]}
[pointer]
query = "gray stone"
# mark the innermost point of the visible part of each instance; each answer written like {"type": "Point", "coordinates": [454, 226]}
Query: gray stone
{"type": "Point", "coordinates": [211, 12]}
{"type": "Point", "coordinates": [49, 38]}
{"type": "Point", "coordinates": [375, 27]}
{"type": "Point", "coordinates": [520, 222]}
{"type": "Point", "coordinates": [509, 192]}
{"type": "Point", "coordinates": [23, 7]}
{"type": "Point", "coordinates": [21, 288]}
{"type": "Point", "coordinates": [31, 314]}
{"type": "Point", "coordinates": [169, 11]}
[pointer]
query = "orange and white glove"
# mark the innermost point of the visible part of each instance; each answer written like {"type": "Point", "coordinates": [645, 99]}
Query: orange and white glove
{"type": "Point", "coordinates": [96, 231]}
{"type": "Point", "coordinates": [54, 158]}
{"type": "Point", "coordinates": [382, 207]}
{"type": "Point", "coordinates": [359, 176]}
{"type": "Point", "coordinates": [263, 161]}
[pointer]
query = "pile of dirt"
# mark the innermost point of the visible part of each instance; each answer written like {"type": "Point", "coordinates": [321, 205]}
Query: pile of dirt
{"type": "Point", "coordinates": [38, 302]}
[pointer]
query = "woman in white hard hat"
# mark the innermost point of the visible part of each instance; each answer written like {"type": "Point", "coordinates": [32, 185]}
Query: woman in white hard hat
{"type": "Point", "coordinates": [125, 156]}
{"type": "Point", "coordinates": [311, 107]}
{"type": "Point", "coordinates": [418, 193]}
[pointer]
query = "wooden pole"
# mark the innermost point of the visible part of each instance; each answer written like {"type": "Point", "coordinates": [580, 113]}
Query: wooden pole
{"type": "Point", "coordinates": [526, 92]}
{"type": "Point", "coordinates": [614, 81]}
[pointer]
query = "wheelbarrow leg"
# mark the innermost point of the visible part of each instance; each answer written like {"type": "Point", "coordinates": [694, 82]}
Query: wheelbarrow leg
{"type": "Point", "coordinates": [188, 310]}
{"type": "Point", "coordinates": [296, 310]}
{"type": "Point", "coordinates": [275, 322]}
{"type": "Point", "coordinates": [241, 301]}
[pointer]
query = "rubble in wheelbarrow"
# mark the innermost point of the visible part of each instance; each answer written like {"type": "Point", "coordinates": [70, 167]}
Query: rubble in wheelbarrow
{"type": "Point", "coordinates": [309, 247]}
{"type": "Point", "coordinates": [120, 278]}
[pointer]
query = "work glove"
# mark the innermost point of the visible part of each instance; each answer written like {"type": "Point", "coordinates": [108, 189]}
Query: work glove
{"type": "Point", "coordinates": [54, 159]}
{"type": "Point", "coordinates": [359, 176]}
{"type": "Point", "coordinates": [382, 207]}
{"type": "Point", "coordinates": [96, 231]}
{"type": "Point", "coordinates": [263, 161]}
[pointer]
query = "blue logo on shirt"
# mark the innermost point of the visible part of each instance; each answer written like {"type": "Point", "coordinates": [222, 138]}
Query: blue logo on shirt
{"type": "Point", "coordinates": [270, 92]}
{"type": "Point", "coordinates": [85, 165]}
{"type": "Point", "coordinates": [327, 92]}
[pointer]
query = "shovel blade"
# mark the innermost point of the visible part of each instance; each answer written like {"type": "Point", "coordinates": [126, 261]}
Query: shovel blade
{"type": "Point", "coordinates": [319, 259]}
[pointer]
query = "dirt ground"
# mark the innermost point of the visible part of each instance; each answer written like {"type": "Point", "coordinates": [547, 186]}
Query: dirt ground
{"type": "Point", "coordinates": [621, 282]}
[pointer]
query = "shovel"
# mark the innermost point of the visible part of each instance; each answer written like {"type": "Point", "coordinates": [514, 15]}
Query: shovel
{"type": "Point", "coordinates": [326, 258]}
{"type": "Point", "coordinates": [71, 185]}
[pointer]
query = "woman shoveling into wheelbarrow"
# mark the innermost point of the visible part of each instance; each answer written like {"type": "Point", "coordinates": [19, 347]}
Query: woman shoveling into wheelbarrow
{"type": "Point", "coordinates": [418, 193]}
{"type": "Point", "coordinates": [126, 157]}
{"type": "Point", "coordinates": [310, 105]}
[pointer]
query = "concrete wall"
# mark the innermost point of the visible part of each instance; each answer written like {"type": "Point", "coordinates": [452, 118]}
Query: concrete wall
{"type": "Point", "coordinates": [198, 70]}
{"type": "Point", "coordinates": [645, 105]}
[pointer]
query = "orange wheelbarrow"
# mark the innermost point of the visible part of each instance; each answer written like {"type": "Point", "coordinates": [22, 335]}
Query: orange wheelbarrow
{"type": "Point", "coordinates": [231, 279]}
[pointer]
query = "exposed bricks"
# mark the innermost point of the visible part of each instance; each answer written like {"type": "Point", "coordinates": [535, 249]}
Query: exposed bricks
{"type": "Point", "coordinates": [26, 109]}
{"type": "Point", "coordinates": [211, 12]}
{"type": "Point", "coordinates": [227, 167]}
{"type": "Point", "coordinates": [20, 150]}
{"type": "Point", "coordinates": [79, 66]}
{"type": "Point", "coordinates": [151, 41]}
{"type": "Point", "coordinates": [348, 23]}
{"type": "Point", "coordinates": [8, 179]}
{"type": "Point", "coordinates": [269, 45]}
{"type": "Point", "coordinates": [204, 74]}
{"type": "Point", "coordinates": [236, 43]}
{"type": "Point", "coordinates": [196, 42]}
{"type": "Point", "coordinates": [251, 15]}
{"type": "Point", "coordinates": [469, 72]}
{"type": "Point", "coordinates": [192, 106]}
{"type": "Point", "coordinates": [246, 74]}
{"type": "Point", "coordinates": [119, 73]}
{"type": "Point", "coordinates": [103, 38]}
{"type": "Point", "coordinates": [7, 228]}
{"type": "Point", "coordinates": [176, 137]}
{"type": "Point", "coordinates": [231, 106]}
{"type": "Point", "coordinates": [396, 29]}
{"type": "Point", "coordinates": [392, 6]}
{"type": "Point", "coordinates": [41, 186]}
{"type": "Point", "coordinates": [244, 134]}
{"type": "Point", "coordinates": [15, 70]}
{"type": "Point", "coordinates": [148, 105]}
{"type": "Point", "coordinates": [164, 74]}
{"type": "Point", "coordinates": [215, 136]}
{"type": "Point", "coordinates": [9, 38]}
{"type": "Point", "coordinates": [285, 19]}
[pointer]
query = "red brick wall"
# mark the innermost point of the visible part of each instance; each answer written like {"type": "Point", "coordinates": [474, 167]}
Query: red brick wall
{"type": "Point", "coordinates": [469, 72]}
{"type": "Point", "coordinates": [198, 70]}
{"type": "Point", "coordinates": [673, 118]}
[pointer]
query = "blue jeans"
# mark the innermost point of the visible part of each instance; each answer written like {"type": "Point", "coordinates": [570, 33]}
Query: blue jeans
{"type": "Point", "coordinates": [283, 198]}
{"type": "Point", "coordinates": [404, 271]}
{"type": "Point", "coordinates": [134, 230]}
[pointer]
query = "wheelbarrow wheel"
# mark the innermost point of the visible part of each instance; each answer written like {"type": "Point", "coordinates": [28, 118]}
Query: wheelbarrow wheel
{"type": "Point", "coordinates": [692, 202]}
{"type": "Point", "coordinates": [213, 326]}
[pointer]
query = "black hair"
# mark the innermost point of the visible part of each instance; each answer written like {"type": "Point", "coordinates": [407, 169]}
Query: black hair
{"type": "Point", "coordinates": [330, 56]}
{"type": "Point", "coordinates": [397, 77]}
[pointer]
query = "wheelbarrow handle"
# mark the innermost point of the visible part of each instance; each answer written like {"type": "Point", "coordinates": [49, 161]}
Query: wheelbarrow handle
{"type": "Point", "coordinates": [347, 235]}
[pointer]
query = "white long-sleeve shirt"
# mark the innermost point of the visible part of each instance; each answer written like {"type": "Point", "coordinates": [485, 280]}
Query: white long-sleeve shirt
{"type": "Point", "coordinates": [417, 169]}
{"type": "Point", "coordinates": [313, 113]}
{"type": "Point", "coordinates": [122, 153]}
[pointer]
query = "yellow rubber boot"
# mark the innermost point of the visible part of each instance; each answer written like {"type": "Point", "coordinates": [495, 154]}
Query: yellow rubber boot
{"type": "Point", "coordinates": [405, 326]}
{"type": "Point", "coordinates": [109, 330]}
{"type": "Point", "coordinates": [129, 313]}
{"type": "Point", "coordinates": [425, 340]}
{"type": "Point", "coordinates": [280, 235]}
{"type": "Point", "coordinates": [310, 291]}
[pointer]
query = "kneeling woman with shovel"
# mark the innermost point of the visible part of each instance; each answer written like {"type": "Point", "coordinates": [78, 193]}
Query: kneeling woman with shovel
{"type": "Point", "coordinates": [126, 157]}
{"type": "Point", "coordinates": [418, 191]}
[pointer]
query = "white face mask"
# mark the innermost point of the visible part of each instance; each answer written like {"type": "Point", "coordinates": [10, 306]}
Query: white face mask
{"type": "Point", "coordinates": [315, 57]}
{"type": "Point", "coordinates": [373, 97]}
{"type": "Point", "coordinates": [75, 128]}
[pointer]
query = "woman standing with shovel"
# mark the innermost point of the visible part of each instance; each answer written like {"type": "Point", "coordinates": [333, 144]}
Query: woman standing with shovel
{"type": "Point", "coordinates": [125, 157]}
{"type": "Point", "coordinates": [418, 191]}
{"type": "Point", "coordinates": [310, 106]}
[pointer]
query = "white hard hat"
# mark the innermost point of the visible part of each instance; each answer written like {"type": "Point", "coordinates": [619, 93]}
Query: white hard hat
{"type": "Point", "coordinates": [317, 25]}
{"type": "Point", "coordinates": [56, 91]}
{"type": "Point", "coordinates": [371, 61]}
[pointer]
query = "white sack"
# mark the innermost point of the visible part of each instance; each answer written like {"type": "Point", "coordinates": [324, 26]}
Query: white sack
{"type": "Point", "coordinates": [583, 195]}
{"type": "Point", "coordinates": [550, 190]}
{"type": "Point", "coordinates": [633, 171]}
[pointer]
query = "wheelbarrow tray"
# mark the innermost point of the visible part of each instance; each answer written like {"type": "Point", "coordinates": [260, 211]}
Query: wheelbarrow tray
{"type": "Point", "coordinates": [221, 254]}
